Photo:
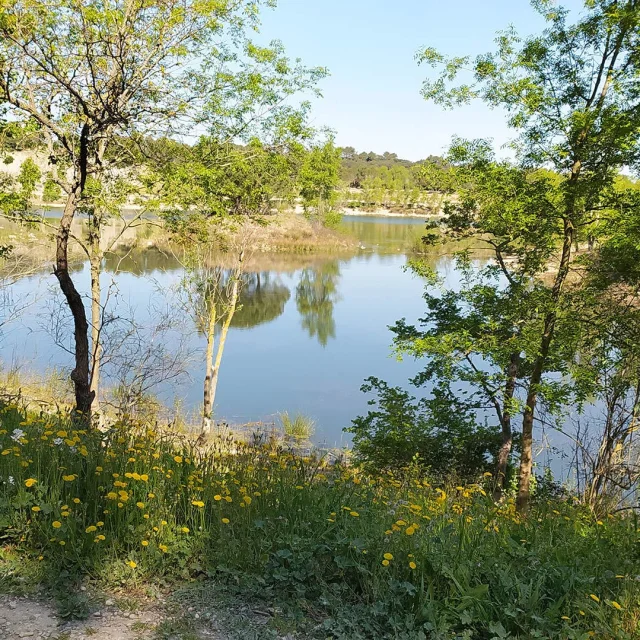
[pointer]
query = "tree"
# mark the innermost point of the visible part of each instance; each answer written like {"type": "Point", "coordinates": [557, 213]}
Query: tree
{"type": "Point", "coordinates": [318, 179]}
{"type": "Point", "coordinates": [474, 344]}
{"type": "Point", "coordinates": [92, 76]}
{"type": "Point", "coordinates": [571, 96]}
{"type": "Point", "coordinates": [211, 297]}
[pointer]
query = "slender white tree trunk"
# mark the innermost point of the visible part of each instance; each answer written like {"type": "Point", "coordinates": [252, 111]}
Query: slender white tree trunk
{"type": "Point", "coordinates": [207, 405]}
{"type": "Point", "coordinates": [233, 303]}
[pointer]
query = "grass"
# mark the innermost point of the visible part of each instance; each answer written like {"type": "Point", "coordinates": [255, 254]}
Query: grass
{"type": "Point", "coordinates": [333, 552]}
{"type": "Point", "coordinates": [297, 429]}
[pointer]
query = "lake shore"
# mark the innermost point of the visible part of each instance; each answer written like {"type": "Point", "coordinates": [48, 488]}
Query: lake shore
{"type": "Point", "coordinates": [388, 213]}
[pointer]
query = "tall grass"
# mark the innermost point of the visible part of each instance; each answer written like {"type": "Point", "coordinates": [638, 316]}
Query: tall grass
{"type": "Point", "coordinates": [368, 556]}
{"type": "Point", "coordinates": [298, 429]}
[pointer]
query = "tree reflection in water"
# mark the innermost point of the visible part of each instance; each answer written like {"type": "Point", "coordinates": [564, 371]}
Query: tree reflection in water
{"type": "Point", "coordinates": [316, 295]}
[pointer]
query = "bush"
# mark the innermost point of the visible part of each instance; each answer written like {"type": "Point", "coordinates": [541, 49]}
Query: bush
{"type": "Point", "coordinates": [438, 434]}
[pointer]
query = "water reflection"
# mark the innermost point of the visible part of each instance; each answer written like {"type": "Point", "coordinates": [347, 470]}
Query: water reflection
{"type": "Point", "coordinates": [310, 356]}
{"type": "Point", "coordinates": [140, 261]}
{"type": "Point", "coordinates": [262, 299]}
{"type": "Point", "coordinates": [385, 234]}
{"type": "Point", "coordinates": [316, 295]}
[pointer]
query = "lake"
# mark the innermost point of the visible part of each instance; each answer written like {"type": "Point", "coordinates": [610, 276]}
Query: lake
{"type": "Point", "coordinates": [310, 329]}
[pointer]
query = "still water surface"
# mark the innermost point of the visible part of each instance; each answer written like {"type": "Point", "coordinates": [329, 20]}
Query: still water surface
{"type": "Point", "coordinates": [309, 331]}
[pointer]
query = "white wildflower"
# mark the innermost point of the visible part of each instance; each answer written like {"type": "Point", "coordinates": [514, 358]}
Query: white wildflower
{"type": "Point", "coordinates": [17, 434]}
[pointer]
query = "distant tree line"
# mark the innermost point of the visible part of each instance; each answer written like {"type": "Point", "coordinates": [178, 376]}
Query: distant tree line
{"type": "Point", "coordinates": [384, 180]}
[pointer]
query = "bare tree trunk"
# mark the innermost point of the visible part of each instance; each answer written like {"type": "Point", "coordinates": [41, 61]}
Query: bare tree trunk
{"type": "Point", "coordinates": [505, 423]}
{"type": "Point", "coordinates": [80, 373]}
{"type": "Point", "coordinates": [233, 303]}
{"type": "Point", "coordinates": [207, 405]}
{"type": "Point", "coordinates": [96, 325]}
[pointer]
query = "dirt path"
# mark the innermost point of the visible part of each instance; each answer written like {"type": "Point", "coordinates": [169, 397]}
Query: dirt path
{"type": "Point", "coordinates": [25, 618]}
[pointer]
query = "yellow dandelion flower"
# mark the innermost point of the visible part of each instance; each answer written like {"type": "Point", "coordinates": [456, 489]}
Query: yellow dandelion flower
{"type": "Point", "coordinates": [30, 482]}
{"type": "Point", "coordinates": [163, 548]}
{"type": "Point", "coordinates": [185, 529]}
{"type": "Point", "coordinates": [594, 597]}
{"type": "Point", "coordinates": [91, 529]}
{"type": "Point", "coordinates": [145, 543]}
{"type": "Point", "coordinates": [225, 520]}
{"type": "Point", "coordinates": [140, 505]}
{"type": "Point", "coordinates": [616, 605]}
{"type": "Point", "coordinates": [151, 495]}
{"type": "Point", "coordinates": [388, 556]}
{"type": "Point", "coordinates": [565, 618]}
{"type": "Point", "coordinates": [197, 503]}
{"type": "Point", "coordinates": [132, 564]}
{"type": "Point", "coordinates": [217, 498]}
{"type": "Point", "coordinates": [385, 563]}
{"type": "Point", "coordinates": [36, 509]}
{"type": "Point", "coordinates": [69, 478]}
{"type": "Point", "coordinates": [100, 524]}
{"type": "Point", "coordinates": [56, 524]}
{"type": "Point", "coordinates": [247, 499]}
{"type": "Point", "coordinates": [76, 500]}
{"type": "Point", "coordinates": [401, 523]}
{"type": "Point", "coordinates": [413, 565]}
{"type": "Point", "coordinates": [410, 530]}
{"type": "Point", "coordinates": [178, 459]}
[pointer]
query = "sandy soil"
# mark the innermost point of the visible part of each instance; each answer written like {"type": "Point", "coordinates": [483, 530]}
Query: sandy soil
{"type": "Point", "coordinates": [27, 618]}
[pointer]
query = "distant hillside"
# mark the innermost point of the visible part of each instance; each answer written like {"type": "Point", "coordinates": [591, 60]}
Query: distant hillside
{"type": "Point", "coordinates": [372, 181]}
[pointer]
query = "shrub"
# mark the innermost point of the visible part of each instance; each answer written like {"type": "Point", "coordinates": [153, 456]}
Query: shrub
{"type": "Point", "coordinates": [438, 434]}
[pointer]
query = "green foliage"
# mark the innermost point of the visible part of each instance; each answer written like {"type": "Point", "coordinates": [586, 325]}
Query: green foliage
{"type": "Point", "coordinates": [215, 179]}
{"type": "Point", "coordinates": [570, 95]}
{"type": "Point", "coordinates": [298, 429]}
{"type": "Point", "coordinates": [377, 180]}
{"type": "Point", "coordinates": [28, 178]}
{"type": "Point", "coordinates": [51, 191]}
{"type": "Point", "coordinates": [438, 435]}
{"type": "Point", "coordinates": [318, 179]}
{"type": "Point", "coordinates": [368, 555]}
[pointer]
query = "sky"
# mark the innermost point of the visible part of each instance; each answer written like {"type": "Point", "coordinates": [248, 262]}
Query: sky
{"type": "Point", "coordinates": [372, 98]}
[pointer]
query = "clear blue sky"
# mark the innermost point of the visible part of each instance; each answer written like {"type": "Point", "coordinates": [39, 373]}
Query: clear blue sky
{"type": "Point", "coordinates": [372, 98]}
